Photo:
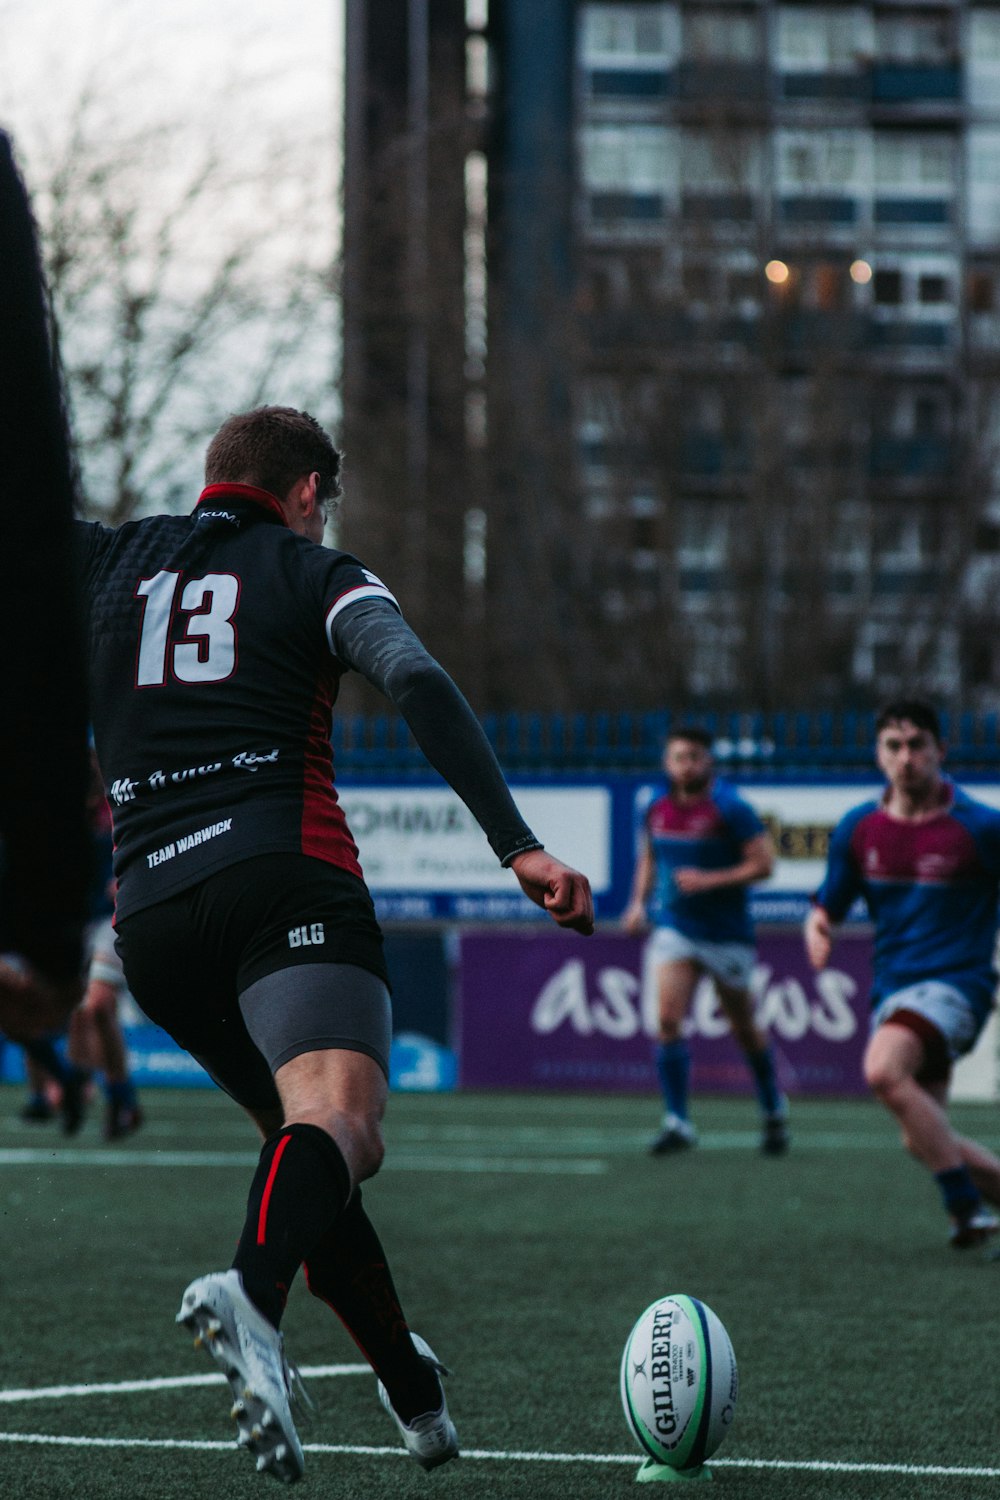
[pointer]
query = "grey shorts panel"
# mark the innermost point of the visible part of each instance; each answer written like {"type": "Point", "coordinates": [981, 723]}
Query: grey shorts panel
{"type": "Point", "coordinates": [318, 1008]}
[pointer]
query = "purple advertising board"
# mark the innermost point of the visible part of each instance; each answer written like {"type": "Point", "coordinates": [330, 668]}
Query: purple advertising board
{"type": "Point", "coordinates": [556, 1011]}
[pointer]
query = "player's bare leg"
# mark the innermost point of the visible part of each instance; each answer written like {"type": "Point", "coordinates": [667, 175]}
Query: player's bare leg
{"type": "Point", "coordinates": [893, 1060]}
{"type": "Point", "coordinates": [96, 1043]}
{"type": "Point", "coordinates": [983, 1166]}
{"type": "Point", "coordinates": [753, 1042]}
{"type": "Point", "coordinates": [676, 981]}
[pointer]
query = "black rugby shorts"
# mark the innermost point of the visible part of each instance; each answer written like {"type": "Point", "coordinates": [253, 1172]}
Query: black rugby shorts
{"type": "Point", "coordinates": [188, 960]}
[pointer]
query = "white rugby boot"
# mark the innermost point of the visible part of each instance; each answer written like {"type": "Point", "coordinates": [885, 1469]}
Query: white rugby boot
{"type": "Point", "coordinates": [250, 1353]}
{"type": "Point", "coordinates": [972, 1229]}
{"type": "Point", "coordinates": [431, 1439]}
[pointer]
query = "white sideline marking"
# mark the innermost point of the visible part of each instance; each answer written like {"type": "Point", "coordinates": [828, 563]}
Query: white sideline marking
{"type": "Point", "coordinates": [163, 1383]}
{"type": "Point", "coordinates": [812, 1466]}
{"type": "Point", "coordinates": [28, 1157]}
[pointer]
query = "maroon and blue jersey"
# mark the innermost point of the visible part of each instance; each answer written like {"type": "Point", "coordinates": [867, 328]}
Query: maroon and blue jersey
{"type": "Point", "coordinates": [931, 889]}
{"type": "Point", "coordinates": [707, 835]}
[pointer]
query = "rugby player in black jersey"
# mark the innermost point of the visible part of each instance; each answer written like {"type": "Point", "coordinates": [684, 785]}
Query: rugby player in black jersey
{"type": "Point", "coordinates": [217, 642]}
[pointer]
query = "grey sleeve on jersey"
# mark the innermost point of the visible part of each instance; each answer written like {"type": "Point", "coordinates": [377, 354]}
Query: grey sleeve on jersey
{"type": "Point", "coordinates": [372, 638]}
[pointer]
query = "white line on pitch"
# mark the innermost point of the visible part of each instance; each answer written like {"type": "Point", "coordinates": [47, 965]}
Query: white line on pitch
{"type": "Point", "coordinates": [163, 1383]}
{"type": "Point", "coordinates": [569, 1166]}
{"type": "Point", "coordinates": [813, 1466]}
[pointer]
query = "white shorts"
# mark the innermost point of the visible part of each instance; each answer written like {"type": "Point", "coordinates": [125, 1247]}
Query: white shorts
{"type": "Point", "coordinates": [943, 1005]}
{"type": "Point", "coordinates": [105, 964]}
{"type": "Point", "coordinates": [730, 963]}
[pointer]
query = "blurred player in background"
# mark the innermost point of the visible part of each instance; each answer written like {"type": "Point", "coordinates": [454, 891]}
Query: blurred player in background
{"type": "Point", "coordinates": [926, 861]}
{"type": "Point", "coordinates": [218, 640]}
{"type": "Point", "coordinates": [96, 1041]}
{"type": "Point", "coordinates": [44, 843]}
{"type": "Point", "coordinates": [702, 847]}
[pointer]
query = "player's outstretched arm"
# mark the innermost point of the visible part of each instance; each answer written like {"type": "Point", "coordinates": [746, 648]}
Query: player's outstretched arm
{"type": "Point", "coordinates": [375, 641]}
{"type": "Point", "coordinates": [562, 891]}
{"type": "Point", "coordinates": [818, 934]}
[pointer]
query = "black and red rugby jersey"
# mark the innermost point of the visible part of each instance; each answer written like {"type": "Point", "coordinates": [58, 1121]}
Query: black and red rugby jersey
{"type": "Point", "coordinates": [211, 633]}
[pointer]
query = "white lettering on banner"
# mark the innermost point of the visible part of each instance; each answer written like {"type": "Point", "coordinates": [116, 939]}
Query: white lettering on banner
{"type": "Point", "coordinates": [837, 1023]}
{"type": "Point", "coordinates": [620, 1011]}
{"type": "Point", "coordinates": [417, 839]}
{"type": "Point", "coordinates": [614, 1013]}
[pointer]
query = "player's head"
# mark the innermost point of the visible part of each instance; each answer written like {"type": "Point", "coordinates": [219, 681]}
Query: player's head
{"type": "Point", "coordinates": [687, 758]}
{"type": "Point", "coordinates": [283, 451]}
{"type": "Point", "coordinates": [908, 744]}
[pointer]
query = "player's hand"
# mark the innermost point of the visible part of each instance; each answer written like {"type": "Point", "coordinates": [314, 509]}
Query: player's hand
{"type": "Point", "coordinates": [32, 1006]}
{"type": "Point", "coordinates": [634, 917]}
{"type": "Point", "coordinates": [691, 882]}
{"type": "Point", "coordinates": [818, 934]}
{"type": "Point", "coordinates": [562, 891]}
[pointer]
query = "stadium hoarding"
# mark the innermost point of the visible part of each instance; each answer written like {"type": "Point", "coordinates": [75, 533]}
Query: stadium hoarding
{"type": "Point", "coordinates": [425, 857]}
{"type": "Point", "coordinates": [574, 1013]}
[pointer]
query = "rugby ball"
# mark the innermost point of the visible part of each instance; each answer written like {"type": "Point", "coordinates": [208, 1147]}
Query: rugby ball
{"type": "Point", "coordinates": [679, 1382]}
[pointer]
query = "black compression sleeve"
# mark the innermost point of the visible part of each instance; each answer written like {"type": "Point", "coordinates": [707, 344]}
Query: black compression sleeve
{"type": "Point", "coordinates": [374, 640]}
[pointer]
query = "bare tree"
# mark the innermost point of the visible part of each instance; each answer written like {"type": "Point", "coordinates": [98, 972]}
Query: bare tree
{"type": "Point", "coordinates": [182, 289]}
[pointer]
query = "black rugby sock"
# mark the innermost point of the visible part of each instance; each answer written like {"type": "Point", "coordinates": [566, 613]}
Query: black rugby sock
{"type": "Point", "coordinates": [299, 1189]}
{"type": "Point", "coordinates": [348, 1271]}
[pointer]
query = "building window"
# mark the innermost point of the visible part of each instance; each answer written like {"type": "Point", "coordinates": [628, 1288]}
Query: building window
{"type": "Point", "coordinates": [624, 32]}
{"type": "Point", "coordinates": [912, 37]}
{"type": "Point", "coordinates": [914, 161]}
{"type": "Point", "coordinates": [821, 38]}
{"type": "Point", "coordinates": [982, 292]}
{"type": "Point", "coordinates": [888, 288]}
{"type": "Point", "coordinates": [721, 160]}
{"type": "Point", "coordinates": [722, 34]}
{"type": "Point", "coordinates": [629, 158]}
{"type": "Point", "coordinates": [822, 161]}
{"type": "Point", "coordinates": [932, 289]}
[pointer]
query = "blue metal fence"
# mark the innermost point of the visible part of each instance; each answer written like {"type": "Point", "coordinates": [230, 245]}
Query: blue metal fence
{"type": "Point", "coordinates": [778, 744]}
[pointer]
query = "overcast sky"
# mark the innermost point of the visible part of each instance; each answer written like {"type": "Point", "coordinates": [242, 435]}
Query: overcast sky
{"type": "Point", "coordinates": [157, 88]}
{"type": "Point", "coordinates": [173, 49]}
{"type": "Point", "coordinates": [269, 68]}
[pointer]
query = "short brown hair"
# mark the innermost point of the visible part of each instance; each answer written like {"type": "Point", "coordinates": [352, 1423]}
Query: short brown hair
{"type": "Point", "coordinates": [918, 712]}
{"type": "Point", "coordinates": [693, 733]}
{"type": "Point", "coordinates": [271, 447]}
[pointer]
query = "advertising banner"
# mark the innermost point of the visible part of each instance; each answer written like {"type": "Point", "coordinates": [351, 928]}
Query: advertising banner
{"type": "Point", "coordinates": [557, 1012]}
{"type": "Point", "coordinates": [425, 856]}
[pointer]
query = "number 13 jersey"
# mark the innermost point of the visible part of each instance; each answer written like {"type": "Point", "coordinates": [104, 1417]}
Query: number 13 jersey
{"type": "Point", "coordinates": [214, 630]}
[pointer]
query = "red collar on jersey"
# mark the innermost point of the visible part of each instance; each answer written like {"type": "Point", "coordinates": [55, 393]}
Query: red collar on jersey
{"type": "Point", "coordinates": [263, 498]}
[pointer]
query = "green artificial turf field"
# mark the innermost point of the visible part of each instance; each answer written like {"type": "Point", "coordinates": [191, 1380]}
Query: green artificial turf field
{"type": "Point", "coordinates": [527, 1234]}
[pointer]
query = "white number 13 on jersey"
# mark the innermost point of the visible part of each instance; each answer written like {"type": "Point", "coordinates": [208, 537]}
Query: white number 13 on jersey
{"type": "Point", "coordinates": [207, 652]}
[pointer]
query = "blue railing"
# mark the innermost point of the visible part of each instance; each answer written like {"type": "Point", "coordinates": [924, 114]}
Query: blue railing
{"type": "Point", "coordinates": [777, 744]}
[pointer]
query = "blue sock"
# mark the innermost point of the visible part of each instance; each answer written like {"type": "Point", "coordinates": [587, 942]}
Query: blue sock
{"type": "Point", "coordinates": [960, 1194]}
{"type": "Point", "coordinates": [120, 1094]}
{"type": "Point", "coordinates": [673, 1066]}
{"type": "Point", "coordinates": [42, 1051]}
{"type": "Point", "coordinates": [772, 1101]}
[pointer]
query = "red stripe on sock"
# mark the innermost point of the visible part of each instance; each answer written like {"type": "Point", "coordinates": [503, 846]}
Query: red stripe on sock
{"type": "Point", "coordinates": [262, 1220]}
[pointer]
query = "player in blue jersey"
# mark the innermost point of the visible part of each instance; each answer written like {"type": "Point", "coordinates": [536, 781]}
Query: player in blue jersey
{"type": "Point", "coordinates": [702, 847]}
{"type": "Point", "coordinates": [926, 860]}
